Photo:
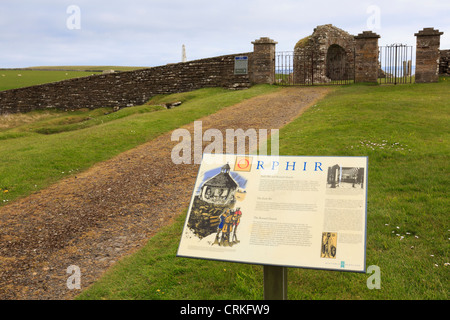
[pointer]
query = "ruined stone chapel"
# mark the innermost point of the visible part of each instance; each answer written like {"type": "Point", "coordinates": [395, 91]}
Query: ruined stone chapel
{"type": "Point", "coordinates": [334, 55]}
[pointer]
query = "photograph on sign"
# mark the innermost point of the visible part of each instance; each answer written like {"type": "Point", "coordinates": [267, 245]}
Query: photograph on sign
{"type": "Point", "coordinates": [292, 211]}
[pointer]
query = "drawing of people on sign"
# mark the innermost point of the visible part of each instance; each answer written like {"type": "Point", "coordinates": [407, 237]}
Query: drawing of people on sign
{"type": "Point", "coordinates": [236, 221]}
{"type": "Point", "coordinates": [227, 229]}
{"type": "Point", "coordinates": [214, 208]}
{"type": "Point", "coordinates": [329, 243]}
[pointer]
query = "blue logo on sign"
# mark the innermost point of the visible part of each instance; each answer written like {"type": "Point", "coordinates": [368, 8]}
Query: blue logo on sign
{"type": "Point", "coordinates": [342, 264]}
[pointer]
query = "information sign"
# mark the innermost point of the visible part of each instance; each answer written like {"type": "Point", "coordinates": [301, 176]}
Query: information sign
{"type": "Point", "coordinates": [241, 65]}
{"type": "Point", "coordinates": [290, 211]}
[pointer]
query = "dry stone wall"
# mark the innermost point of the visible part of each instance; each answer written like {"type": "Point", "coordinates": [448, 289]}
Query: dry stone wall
{"type": "Point", "coordinates": [444, 64]}
{"type": "Point", "coordinates": [126, 89]}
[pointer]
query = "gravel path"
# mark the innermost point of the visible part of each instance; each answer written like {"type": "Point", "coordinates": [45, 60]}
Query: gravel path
{"type": "Point", "coordinates": [93, 219]}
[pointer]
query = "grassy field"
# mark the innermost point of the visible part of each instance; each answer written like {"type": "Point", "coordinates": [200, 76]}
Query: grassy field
{"type": "Point", "coordinates": [19, 78]}
{"type": "Point", "coordinates": [404, 132]}
{"type": "Point", "coordinates": [86, 68]}
{"type": "Point", "coordinates": [41, 147]}
{"type": "Point", "coordinates": [402, 129]}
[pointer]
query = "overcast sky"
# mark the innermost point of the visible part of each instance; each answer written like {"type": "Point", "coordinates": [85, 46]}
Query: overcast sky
{"type": "Point", "coordinates": [152, 32]}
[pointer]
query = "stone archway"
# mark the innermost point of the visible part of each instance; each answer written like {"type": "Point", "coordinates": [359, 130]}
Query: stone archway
{"type": "Point", "coordinates": [325, 56]}
{"type": "Point", "coordinates": [336, 63]}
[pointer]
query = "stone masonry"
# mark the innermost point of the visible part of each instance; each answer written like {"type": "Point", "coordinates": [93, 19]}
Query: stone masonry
{"type": "Point", "coordinates": [125, 89]}
{"type": "Point", "coordinates": [326, 52]}
{"type": "Point", "coordinates": [262, 65]}
{"type": "Point", "coordinates": [444, 63]}
{"type": "Point", "coordinates": [427, 55]}
{"type": "Point", "coordinates": [132, 88]}
{"type": "Point", "coordinates": [366, 57]}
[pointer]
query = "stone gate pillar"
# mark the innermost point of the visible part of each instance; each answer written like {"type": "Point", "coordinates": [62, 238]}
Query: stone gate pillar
{"type": "Point", "coordinates": [262, 64]}
{"type": "Point", "coordinates": [366, 57]}
{"type": "Point", "coordinates": [428, 55]}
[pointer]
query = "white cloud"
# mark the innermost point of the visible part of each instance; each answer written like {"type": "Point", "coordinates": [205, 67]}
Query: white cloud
{"type": "Point", "coordinates": [151, 32]}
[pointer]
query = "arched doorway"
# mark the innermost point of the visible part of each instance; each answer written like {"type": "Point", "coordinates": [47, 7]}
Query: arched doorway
{"type": "Point", "coordinates": [336, 63]}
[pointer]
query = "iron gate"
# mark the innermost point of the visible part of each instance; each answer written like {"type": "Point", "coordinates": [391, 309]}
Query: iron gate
{"type": "Point", "coordinates": [396, 64]}
{"type": "Point", "coordinates": [311, 68]}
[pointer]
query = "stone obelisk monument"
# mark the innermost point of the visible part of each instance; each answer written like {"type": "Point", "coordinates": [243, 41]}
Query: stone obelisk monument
{"type": "Point", "coordinates": [183, 56]}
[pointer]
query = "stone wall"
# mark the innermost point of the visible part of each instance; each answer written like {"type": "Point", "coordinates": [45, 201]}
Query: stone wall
{"type": "Point", "coordinates": [262, 65]}
{"type": "Point", "coordinates": [444, 64]}
{"type": "Point", "coordinates": [366, 57]}
{"type": "Point", "coordinates": [127, 89]}
{"type": "Point", "coordinates": [427, 55]}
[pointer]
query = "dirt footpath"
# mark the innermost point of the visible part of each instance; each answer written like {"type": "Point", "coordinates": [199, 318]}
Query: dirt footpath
{"type": "Point", "coordinates": [93, 219]}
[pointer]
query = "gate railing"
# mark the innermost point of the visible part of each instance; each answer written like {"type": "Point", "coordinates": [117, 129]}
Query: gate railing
{"type": "Point", "coordinates": [396, 64]}
{"type": "Point", "coordinates": [284, 68]}
{"type": "Point", "coordinates": [309, 68]}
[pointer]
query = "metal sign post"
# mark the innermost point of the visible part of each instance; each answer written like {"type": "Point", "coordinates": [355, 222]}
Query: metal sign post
{"type": "Point", "coordinates": [275, 283]}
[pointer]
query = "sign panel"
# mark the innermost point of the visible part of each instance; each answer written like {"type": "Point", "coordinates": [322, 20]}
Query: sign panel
{"type": "Point", "coordinates": [241, 65]}
{"type": "Point", "coordinates": [305, 212]}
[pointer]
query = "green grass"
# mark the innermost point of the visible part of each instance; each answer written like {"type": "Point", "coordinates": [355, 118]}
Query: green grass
{"type": "Point", "coordinates": [42, 147]}
{"type": "Point", "coordinates": [54, 121]}
{"type": "Point", "coordinates": [404, 132]}
{"type": "Point", "coordinates": [86, 68]}
{"type": "Point", "coordinates": [19, 78]}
